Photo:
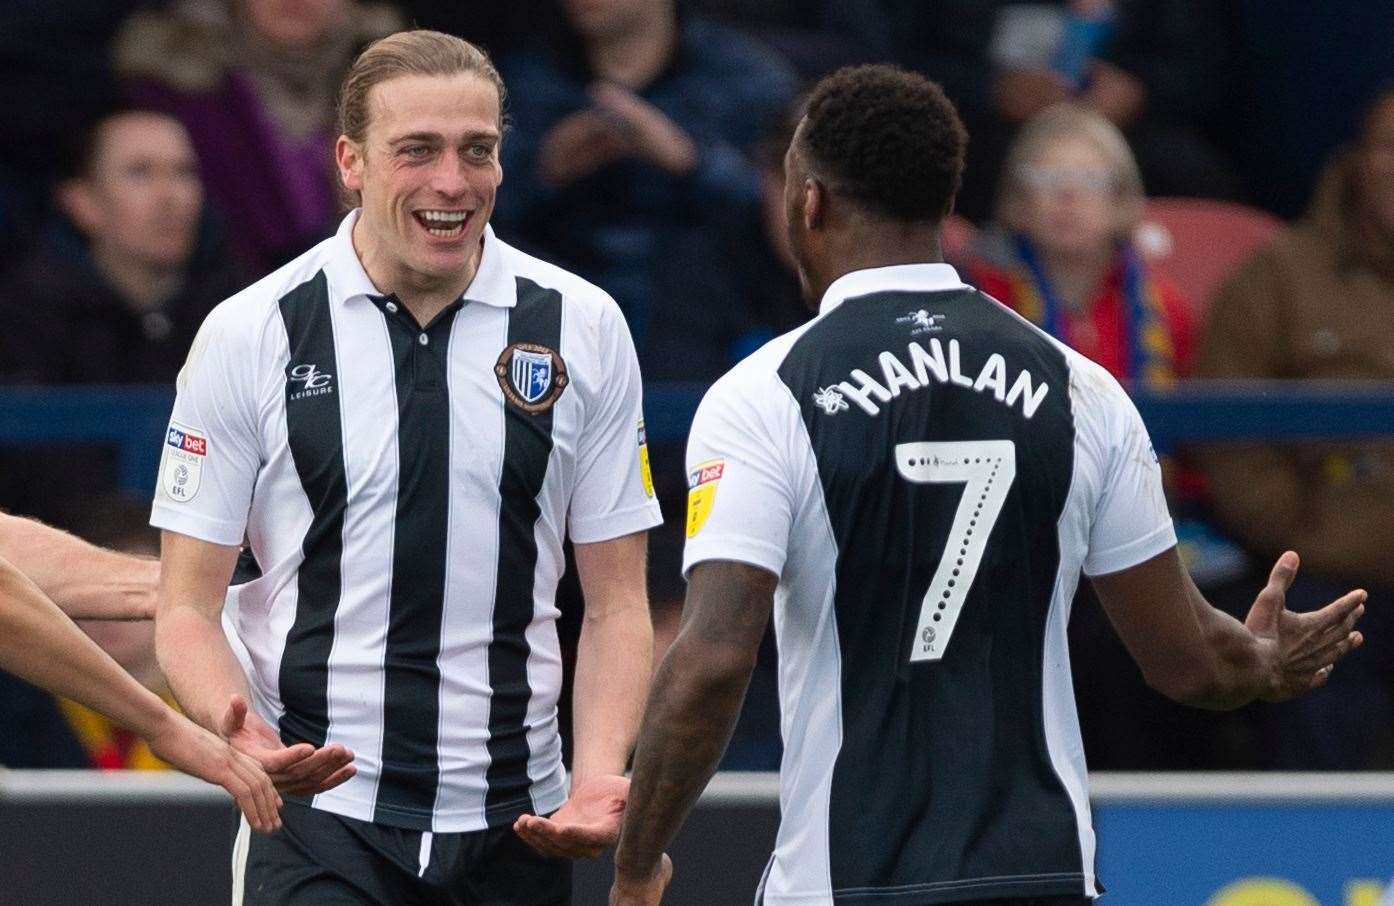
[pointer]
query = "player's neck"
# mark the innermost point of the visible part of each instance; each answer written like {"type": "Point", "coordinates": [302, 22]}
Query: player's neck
{"type": "Point", "coordinates": [424, 295]}
{"type": "Point", "coordinates": [635, 56]}
{"type": "Point", "coordinates": [864, 250]}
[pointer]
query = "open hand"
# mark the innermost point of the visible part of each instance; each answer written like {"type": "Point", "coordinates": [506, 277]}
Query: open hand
{"type": "Point", "coordinates": [1304, 647]}
{"type": "Point", "coordinates": [585, 826]}
{"type": "Point", "coordinates": [194, 750]}
{"type": "Point", "coordinates": [642, 891]}
{"type": "Point", "coordinates": [300, 769]}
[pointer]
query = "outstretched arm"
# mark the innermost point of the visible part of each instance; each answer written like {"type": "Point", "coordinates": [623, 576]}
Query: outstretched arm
{"type": "Point", "coordinates": [1200, 656]}
{"type": "Point", "coordinates": [693, 708]}
{"type": "Point", "coordinates": [85, 581]}
{"type": "Point", "coordinates": [40, 644]}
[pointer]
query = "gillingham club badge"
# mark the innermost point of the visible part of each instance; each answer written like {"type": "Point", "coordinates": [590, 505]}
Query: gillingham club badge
{"type": "Point", "coordinates": [531, 376]}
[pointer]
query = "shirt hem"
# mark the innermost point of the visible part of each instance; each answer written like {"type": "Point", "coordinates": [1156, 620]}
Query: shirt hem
{"type": "Point", "coordinates": [202, 528]}
{"type": "Point", "coordinates": [616, 525]}
{"type": "Point", "coordinates": [545, 800]}
{"type": "Point", "coordinates": [1145, 548]}
{"type": "Point", "coordinates": [741, 550]}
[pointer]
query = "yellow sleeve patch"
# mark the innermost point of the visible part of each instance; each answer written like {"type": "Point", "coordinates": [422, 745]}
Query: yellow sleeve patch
{"type": "Point", "coordinates": [644, 471]}
{"type": "Point", "coordinates": [701, 493]}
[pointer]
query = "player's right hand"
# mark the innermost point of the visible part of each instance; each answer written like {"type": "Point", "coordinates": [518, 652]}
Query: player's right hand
{"type": "Point", "coordinates": [1304, 647]}
{"type": "Point", "coordinates": [194, 750]}
{"type": "Point", "coordinates": [301, 769]}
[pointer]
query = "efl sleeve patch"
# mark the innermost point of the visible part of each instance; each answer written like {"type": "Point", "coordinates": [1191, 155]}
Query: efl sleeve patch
{"type": "Point", "coordinates": [701, 493]}
{"type": "Point", "coordinates": [181, 473]}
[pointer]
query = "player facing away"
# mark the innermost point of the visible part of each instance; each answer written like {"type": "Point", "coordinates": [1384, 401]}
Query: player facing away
{"type": "Point", "coordinates": [912, 484]}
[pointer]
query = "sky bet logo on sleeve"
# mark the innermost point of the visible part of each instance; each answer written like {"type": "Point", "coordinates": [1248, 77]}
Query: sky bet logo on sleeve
{"type": "Point", "coordinates": [701, 493]}
{"type": "Point", "coordinates": [187, 441]}
{"type": "Point", "coordinates": [181, 467]}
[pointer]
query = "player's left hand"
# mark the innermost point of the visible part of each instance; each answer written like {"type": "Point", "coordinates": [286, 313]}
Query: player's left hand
{"type": "Point", "coordinates": [628, 891]}
{"type": "Point", "coordinates": [585, 826]}
{"type": "Point", "coordinates": [1302, 648]}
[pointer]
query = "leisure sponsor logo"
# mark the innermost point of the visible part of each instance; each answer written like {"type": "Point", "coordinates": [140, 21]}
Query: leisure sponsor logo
{"type": "Point", "coordinates": [921, 321]}
{"type": "Point", "coordinates": [531, 376]}
{"type": "Point", "coordinates": [181, 467]}
{"type": "Point", "coordinates": [644, 472]}
{"type": "Point", "coordinates": [701, 493]}
{"type": "Point", "coordinates": [312, 381]}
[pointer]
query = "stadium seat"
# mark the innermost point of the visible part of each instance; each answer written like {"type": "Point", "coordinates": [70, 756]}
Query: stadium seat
{"type": "Point", "coordinates": [1196, 243]}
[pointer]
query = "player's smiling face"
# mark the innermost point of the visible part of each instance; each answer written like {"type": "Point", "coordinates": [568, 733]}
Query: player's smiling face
{"type": "Point", "coordinates": [428, 172]}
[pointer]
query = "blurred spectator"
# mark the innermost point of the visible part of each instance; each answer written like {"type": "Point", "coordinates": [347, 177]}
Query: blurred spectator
{"type": "Point", "coordinates": [721, 294]}
{"type": "Point", "coordinates": [55, 72]}
{"type": "Point", "coordinates": [1152, 67]}
{"type": "Point", "coordinates": [498, 28]}
{"type": "Point", "coordinates": [1318, 303]}
{"type": "Point", "coordinates": [1062, 255]}
{"type": "Point", "coordinates": [254, 81]}
{"type": "Point", "coordinates": [815, 36]}
{"type": "Point", "coordinates": [1299, 71]}
{"type": "Point", "coordinates": [117, 287]}
{"type": "Point", "coordinates": [631, 126]}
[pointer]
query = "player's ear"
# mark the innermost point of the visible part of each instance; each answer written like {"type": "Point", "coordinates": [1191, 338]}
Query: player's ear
{"type": "Point", "coordinates": [348, 157]}
{"type": "Point", "coordinates": [815, 203]}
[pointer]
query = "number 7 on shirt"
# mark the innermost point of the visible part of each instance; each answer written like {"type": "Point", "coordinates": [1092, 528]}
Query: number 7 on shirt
{"type": "Point", "coordinates": [988, 468]}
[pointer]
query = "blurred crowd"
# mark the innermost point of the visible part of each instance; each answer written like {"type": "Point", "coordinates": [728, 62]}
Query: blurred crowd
{"type": "Point", "coordinates": [159, 156]}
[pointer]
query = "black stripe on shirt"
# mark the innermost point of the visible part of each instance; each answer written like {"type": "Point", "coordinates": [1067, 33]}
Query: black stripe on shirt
{"type": "Point", "coordinates": [527, 446]}
{"type": "Point", "coordinates": [314, 429]}
{"type": "Point", "coordinates": [411, 686]}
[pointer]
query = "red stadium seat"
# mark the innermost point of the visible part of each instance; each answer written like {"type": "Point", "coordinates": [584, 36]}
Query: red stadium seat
{"type": "Point", "coordinates": [1196, 243]}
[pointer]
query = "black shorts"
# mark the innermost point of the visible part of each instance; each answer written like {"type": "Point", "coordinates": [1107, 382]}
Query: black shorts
{"type": "Point", "coordinates": [322, 859]}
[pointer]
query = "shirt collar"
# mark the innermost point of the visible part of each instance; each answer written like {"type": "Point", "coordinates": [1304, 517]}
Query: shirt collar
{"type": "Point", "coordinates": [915, 278]}
{"type": "Point", "coordinates": [493, 283]}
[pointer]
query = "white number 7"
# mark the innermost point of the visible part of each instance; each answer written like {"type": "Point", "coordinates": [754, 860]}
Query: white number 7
{"type": "Point", "coordinates": [988, 467]}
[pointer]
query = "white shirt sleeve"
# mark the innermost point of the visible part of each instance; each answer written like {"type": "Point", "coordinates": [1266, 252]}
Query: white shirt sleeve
{"type": "Point", "coordinates": [212, 451]}
{"type": "Point", "coordinates": [614, 494]}
{"type": "Point", "coordinates": [741, 504]}
{"type": "Point", "coordinates": [1131, 521]}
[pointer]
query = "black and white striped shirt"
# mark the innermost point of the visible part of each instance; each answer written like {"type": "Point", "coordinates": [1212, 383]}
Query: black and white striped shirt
{"type": "Point", "coordinates": [928, 474]}
{"type": "Point", "coordinates": [406, 491]}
